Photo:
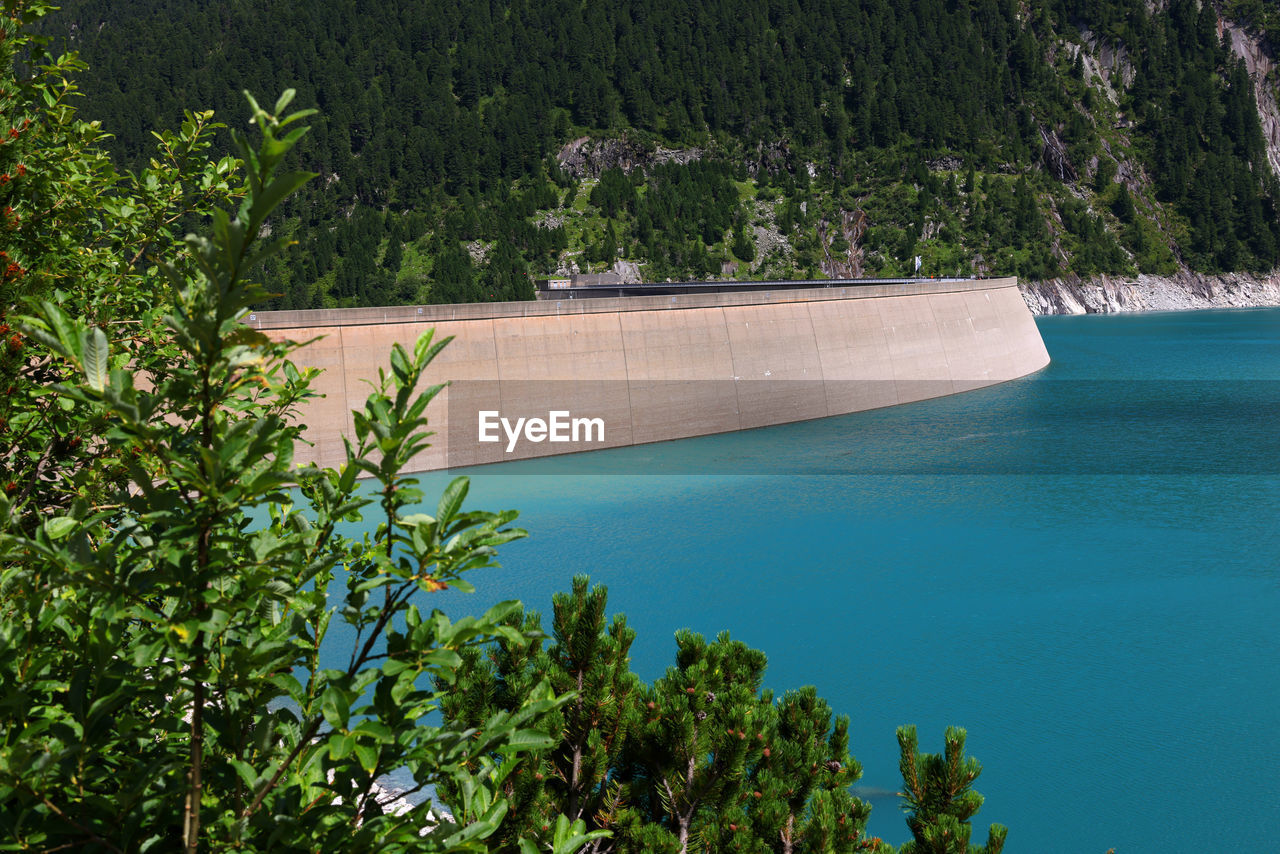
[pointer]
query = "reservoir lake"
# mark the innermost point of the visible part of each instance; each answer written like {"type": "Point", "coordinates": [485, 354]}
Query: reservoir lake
{"type": "Point", "coordinates": [1080, 567]}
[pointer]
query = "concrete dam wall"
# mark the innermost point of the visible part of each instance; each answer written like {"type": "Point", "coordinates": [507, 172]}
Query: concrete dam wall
{"type": "Point", "coordinates": [590, 374]}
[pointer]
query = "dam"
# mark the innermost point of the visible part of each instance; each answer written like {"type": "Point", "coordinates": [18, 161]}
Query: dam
{"type": "Point", "coordinates": [639, 369]}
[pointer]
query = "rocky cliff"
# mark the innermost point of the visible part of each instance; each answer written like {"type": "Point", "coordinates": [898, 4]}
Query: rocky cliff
{"type": "Point", "coordinates": [588, 158]}
{"type": "Point", "coordinates": [1260, 62]}
{"type": "Point", "coordinates": [1107, 294]}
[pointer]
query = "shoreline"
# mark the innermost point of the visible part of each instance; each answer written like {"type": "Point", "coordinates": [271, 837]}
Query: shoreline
{"type": "Point", "coordinates": [1180, 292]}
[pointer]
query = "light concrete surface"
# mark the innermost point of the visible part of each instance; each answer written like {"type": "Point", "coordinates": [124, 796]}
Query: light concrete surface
{"type": "Point", "coordinates": [658, 368]}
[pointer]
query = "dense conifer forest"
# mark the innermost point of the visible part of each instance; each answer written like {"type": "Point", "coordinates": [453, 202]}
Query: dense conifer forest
{"type": "Point", "coordinates": [466, 148]}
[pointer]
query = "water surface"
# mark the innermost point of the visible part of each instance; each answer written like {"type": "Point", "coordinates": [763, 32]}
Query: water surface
{"type": "Point", "coordinates": [1080, 567]}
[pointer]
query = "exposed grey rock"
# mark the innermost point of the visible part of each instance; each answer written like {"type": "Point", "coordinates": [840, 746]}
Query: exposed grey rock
{"type": "Point", "coordinates": [567, 266]}
{"type": "Point", "coordinates": [771, 244]}
{"type": "Point", "coordinates": [585, 157]}
{"type": "Point", "coordinates": [851, 263]}
{"type": "Point", "coordinates": [549, 220]}
{"type": "Point", "coordinates": [628, 272]}
{"type": "Point", "coordinates": [1181, 291]}
{"type": "Point", "coordinates": [1113, 64]}
{"type": "Point", "coordinates": [1054, 156]}
{"type": "Point", "coordinates": [1094, 73]}
{"type": "Point", "coordinates": [773, 158]}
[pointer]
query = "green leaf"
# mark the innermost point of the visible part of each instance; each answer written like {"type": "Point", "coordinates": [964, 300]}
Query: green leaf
{"type": "Point", "coordinates": [530, 739]}
{"type": "Point", "coordinates": [286, 98]}
{"type": "Point", "coordinates": [287, 683]}
{"type": "Point", "coordinates": [400, 363]}
{"type": "Point", "coordinates": [59, 526]}
{"type": "Point", "coordinates": [334, 706]}
{"type": "Point", "coordinates": [341, 744]}
{"type": "Point", "coordinates": [367, 755]}
{"type": "Point", "coordinates": [245, 771]}
{"type": "Point", "coordinates": [376, 730]}
{"type": "Point", "coordinates": [451, 500]}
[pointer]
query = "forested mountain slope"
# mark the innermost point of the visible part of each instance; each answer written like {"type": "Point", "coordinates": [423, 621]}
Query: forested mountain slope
{"type": "Point", "coordinates": [467, 146]}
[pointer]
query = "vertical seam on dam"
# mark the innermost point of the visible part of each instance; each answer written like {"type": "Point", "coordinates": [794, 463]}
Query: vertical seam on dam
{"type": "Point", "coordinates": [942, 344]}
{"type": "Point", "coordinates": [497, 360]}
{"type": "Point", "coordinates": [348, 419]}
{"type": "Point", "coordinates": [626, 371]}
{"type": "Point", "coordinates": [817, 355]}
{"type": "Point", "coordinates": [733, 366]}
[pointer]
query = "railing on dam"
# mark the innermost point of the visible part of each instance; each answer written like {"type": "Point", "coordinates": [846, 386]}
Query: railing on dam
{"type": "Point", "coordinates": [549, 289]}
{"type": "Point", "coordinates": [798, 290]}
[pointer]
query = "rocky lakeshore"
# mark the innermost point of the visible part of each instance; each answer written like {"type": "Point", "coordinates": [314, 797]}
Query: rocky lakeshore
{"type": "Point", "coordinates": [1182, 291]}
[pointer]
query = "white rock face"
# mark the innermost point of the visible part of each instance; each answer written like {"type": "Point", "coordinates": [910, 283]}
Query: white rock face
{"type": "Point", "coordinates": [1110, 294]}
{"type": "Point", "coordinates": [628, 271]}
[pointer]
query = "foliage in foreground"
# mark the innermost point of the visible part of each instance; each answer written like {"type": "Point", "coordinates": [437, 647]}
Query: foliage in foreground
{"type": "Point", "coordinates": [163, 598]}
{"type": "Point", "coordinates": [161, 686]}
{"type": "Point", "coordinates": [77, 233]}
{"type": "Point", "coordinates": [703, 759]}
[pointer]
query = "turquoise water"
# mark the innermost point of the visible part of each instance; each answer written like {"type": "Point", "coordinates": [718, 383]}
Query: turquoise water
{"type": "Point", "coordinates": [1080, 567]}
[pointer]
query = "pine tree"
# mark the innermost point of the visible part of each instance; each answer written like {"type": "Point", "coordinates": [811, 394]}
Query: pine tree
{"type": "Point", "coordinates": [588, 658]}
{"type": "Point", "coordinates": [939, 798]}
{"type": "Point", "coordinates": [743, 246]}
{"type": "Point", "coordinates": [1123, 207]}
{"type": "Point", "coordinates": [692, 756]}
{"type": "Point", "coordinates": [803, 778]}
{"type": "Point", "coordinates": [702, 759]}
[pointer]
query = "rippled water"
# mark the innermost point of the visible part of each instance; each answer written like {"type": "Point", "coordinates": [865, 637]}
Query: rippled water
{"type": "Point", "coordinates": [1080, 567]}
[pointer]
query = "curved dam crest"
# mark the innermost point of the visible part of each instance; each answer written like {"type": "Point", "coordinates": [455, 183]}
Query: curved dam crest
{"type": "Point", "coordinates": [654, 368]}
